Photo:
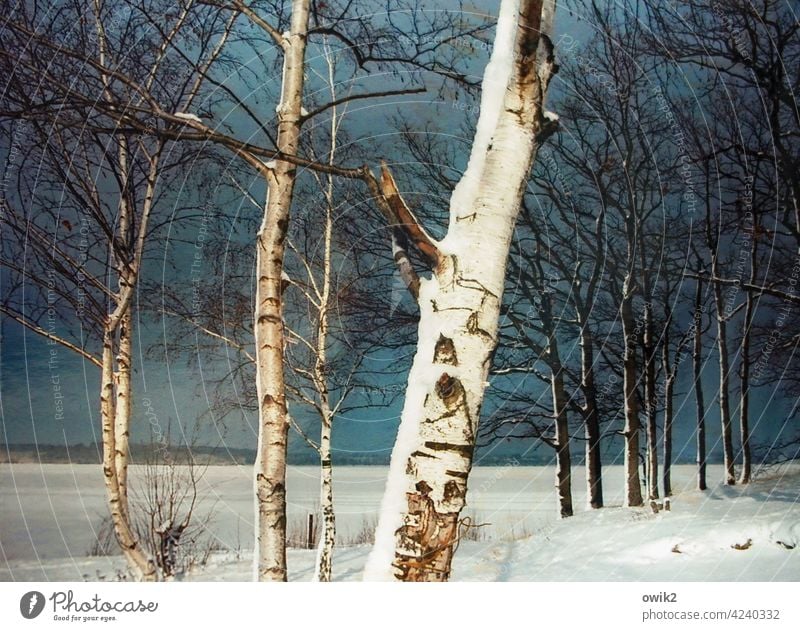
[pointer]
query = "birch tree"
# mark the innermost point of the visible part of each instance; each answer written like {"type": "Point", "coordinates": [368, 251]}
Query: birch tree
{"type": "Point", "coordinates": [460, 304]}
{"type": "Point", "coordinates": [62, 71]}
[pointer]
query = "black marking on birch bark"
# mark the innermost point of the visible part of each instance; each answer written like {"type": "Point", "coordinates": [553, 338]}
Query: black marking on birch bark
{"type": "Point", "coordinates": [457, 474]}
{"type": "Point", "coordinates": [451, 490]}
{"type": "Point", "coordinates": [272, 319]}
{"type": "Point", "coordinates": [463, 449]}
{"type": "Point", "coordinates": [445, 352]}
{"type": "Point", "coordinates": [283, 225]}
{"type": "Point", "coordinates": [449, 390]}
{"type": "Point", "coordinates": [474, 328]}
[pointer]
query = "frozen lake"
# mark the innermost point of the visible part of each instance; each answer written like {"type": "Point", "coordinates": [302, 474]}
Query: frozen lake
{"type": "Point", "coordinates": [53, 511]}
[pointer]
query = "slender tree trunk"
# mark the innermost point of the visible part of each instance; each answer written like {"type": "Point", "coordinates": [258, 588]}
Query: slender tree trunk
{"type": "Point", "coordinates": [122, 410]}
{"type": "Point", "coordinates": [669, 386]}
{"type": "Point", "coordinates": [270, 468]}
{"type": "Point", "coordinates": [459, 311]}
{"type": "Point", "coordinates": [142, 568]}
{"type": "Point", "coordinates": [594, 471]}
{"type": "Point", "coordinates": [563, 463]}
{"type": "Point", "coordinates": [633, 489]}
{"type": "Point", "coordinates": [744, 369]}
{"type": "Point", "coordinates": [697, 368]}
{"type": "Point", "coordinates": [724, 382]}
{"type": "Point", "coordinates": [559, 397]}
{"type": "Point", "coordinates": [650, 398]}
{"type": "Point", "coordinates": [328, 538]}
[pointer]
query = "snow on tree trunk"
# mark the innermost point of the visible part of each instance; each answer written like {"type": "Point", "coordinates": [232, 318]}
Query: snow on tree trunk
{"type": "Point", "coordinates": [744, 369]}
{"type": "Point", "coordinates": [697, 372]}
{"type": "Point", "coordinates": [724, 383]}
{"type": "Point", "coordinates": [650, 397]}
{"type": "Point", "coordinates": [563, 460]}
{"type": "Point", "coordinates": [273, 422]}
{"type": "Point", "coordinates": [669, 387]}
{"type": "Point", "coordinates": [594, 472]}
{"type": "Point", "coordinates": [459, 310]}
{"type": "Point", "coordinates": [633, 489]}
{"type": "Point", "coordinates": [559, 398]}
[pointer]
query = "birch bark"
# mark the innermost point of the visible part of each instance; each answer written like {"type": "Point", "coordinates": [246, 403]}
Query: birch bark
{"type": "Point", "coordinates": [459, 310]}
{"type": "Point", "coordinates": [273, 422]}
{"type": "Point", "coordinates": [724, 378]}
{"type": "Point", "coordinates": [328, 538]}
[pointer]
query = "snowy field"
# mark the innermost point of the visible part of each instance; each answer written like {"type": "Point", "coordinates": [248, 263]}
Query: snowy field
{"type": "Point", "coordinates": [49, 516]}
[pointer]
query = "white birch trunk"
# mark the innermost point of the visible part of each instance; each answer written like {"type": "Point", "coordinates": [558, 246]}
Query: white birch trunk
{"type": "Point", "coordinates": [328, 536]}
{"type": "Point", "coordinates": [724, 381]}
{"type": "Point", "coordinates": [650, 396]}
{"type": "Point", "coordinates": [459, 310]}
{"type": "Point", "coordinates": [140, 566]}
{"type": "Point", "coordinates": [273, 422]}
{"type": "Point", "coordinates": [122, 410]}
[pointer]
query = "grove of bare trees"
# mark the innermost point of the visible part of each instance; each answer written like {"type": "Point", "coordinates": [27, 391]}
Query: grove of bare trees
{"type": "Point", "coordinates": [568, 225]}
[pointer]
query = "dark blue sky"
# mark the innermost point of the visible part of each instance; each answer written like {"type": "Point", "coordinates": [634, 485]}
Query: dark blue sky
{"type": "Point", "coordinates": [179, 397]}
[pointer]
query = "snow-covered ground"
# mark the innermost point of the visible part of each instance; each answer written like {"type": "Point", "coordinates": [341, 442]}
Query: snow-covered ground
{"type": "Point", "coordinates": [49, 514]}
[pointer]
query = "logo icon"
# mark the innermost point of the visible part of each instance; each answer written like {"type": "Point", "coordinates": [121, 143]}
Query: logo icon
{"type": "Point", "coordinates": [31, 605]}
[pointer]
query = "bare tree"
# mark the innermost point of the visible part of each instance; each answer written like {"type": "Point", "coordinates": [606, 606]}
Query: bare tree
{"type": "Point", "coordinates": [63, 68]}
{"type": "Point", "coordinates": [370, 42]}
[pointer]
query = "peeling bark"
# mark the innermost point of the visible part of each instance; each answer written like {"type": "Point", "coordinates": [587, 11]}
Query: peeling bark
{"type": "Point", "coordinates": [459, 311]}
